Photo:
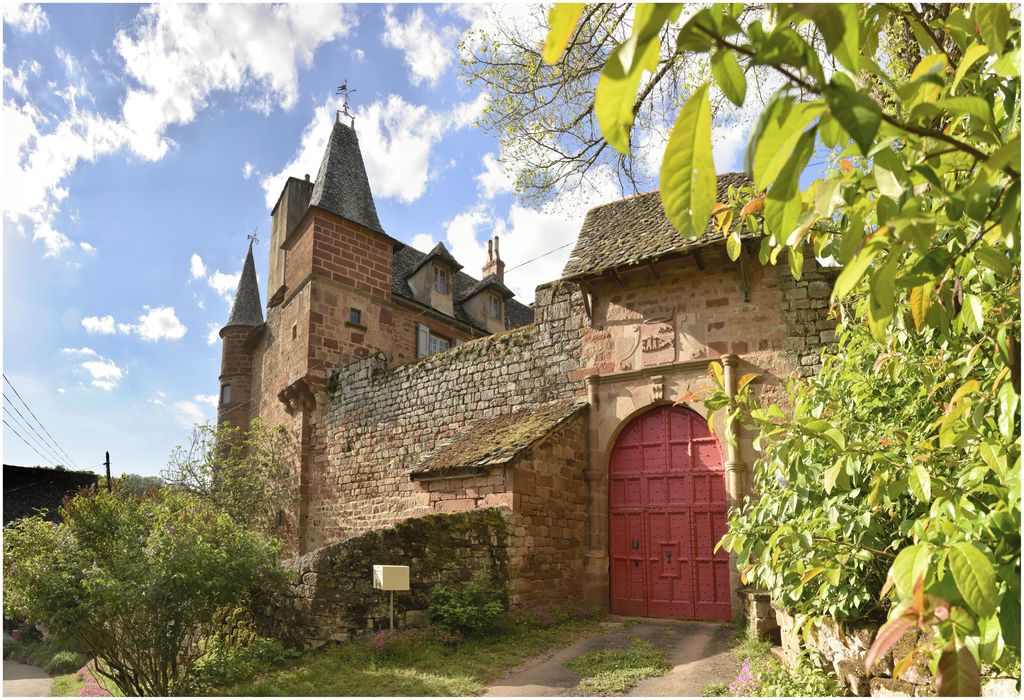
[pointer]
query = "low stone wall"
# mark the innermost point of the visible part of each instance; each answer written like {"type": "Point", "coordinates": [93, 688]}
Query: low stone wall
{"type": "Point", "coordinates": [332, 598]}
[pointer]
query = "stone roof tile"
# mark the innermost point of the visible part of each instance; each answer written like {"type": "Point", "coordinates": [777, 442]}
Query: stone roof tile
{"type": "Point", "coordinates": [246, 309]}
{"type": "Point", "coordinates": [498, 440]}
{"type": "Point", "coordinates": [341, 186]}
{"type": "Point", "coordinates": [634, 230]}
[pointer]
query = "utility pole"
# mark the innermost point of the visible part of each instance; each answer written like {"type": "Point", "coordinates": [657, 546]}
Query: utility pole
{"type": "Point", "coordinates": [109, 487]}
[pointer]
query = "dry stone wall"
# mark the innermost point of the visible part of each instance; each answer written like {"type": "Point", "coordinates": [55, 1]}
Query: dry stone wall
{"type": "Point", "coordinates": [331, 595]}
{"type": "Point", "coordinates": [378, 422]}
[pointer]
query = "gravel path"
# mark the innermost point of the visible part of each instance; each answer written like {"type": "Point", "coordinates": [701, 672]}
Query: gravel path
{"type": "Point", "coordinates": [698, 651]}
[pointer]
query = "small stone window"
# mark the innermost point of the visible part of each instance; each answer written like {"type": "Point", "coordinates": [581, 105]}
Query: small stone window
{"type": "Point", "coordinates": [355, 317]}
{"type": "Point", "coordinates": [225, 394]}
{"type": "Point", "coordinates": [494, 306]}
{"type": "Point", "coordinates": [295, 331]}
{"type": "Point", "coordinates": [440, 280]}
{"type": "Point", "coordinates": [437, 344]}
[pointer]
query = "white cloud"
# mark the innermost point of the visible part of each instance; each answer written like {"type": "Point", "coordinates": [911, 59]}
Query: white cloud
{"type": "Point", "coordinates": [189, 413]}
{"type": "Point", "coordinates": [159, 323]}
{"type": "Point", "coordinates": [391, 131]}
{"type": "Point", "coordinates": [224, 284]}
{"type": "Point", "coordinates": [358, 56]}
{"type": "Point", "coordinates": [428, 48]}
{"type": "Point", "coordinates": [212, 333]}
{"type": "Point", "coordinates": [79, 351]}
{"type": "Point", "coordinates": [105, 373]}
{"type": "Point", "coordinates": [26, 17]}
{"type": "Point", "coordinates": [87, 247]}
{"type": "Point", "coordinates": [18, 82]}
{"type": "Point", "coordinates": [423, 242]}
{"type": "Point", "coordinates": [247, 170]}
{"type": "Point", "coordinates": [208, 399]}
{"type": "Point", "coordinates": [494, 179]}
{"type": "Point", "coordinates": [60, 390]}
{"type": "Point", "coordinates": [99, 324]}
{"type": "Point", "coordinates": [175, 57]}
{"type": "Point", "coordinates": [197, 266]}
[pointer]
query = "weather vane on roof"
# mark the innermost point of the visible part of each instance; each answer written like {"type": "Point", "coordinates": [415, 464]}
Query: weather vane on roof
{"type": "Point", "coordinates": [252, 237]}
{"type": "Point", "coordinates": [344, 91]}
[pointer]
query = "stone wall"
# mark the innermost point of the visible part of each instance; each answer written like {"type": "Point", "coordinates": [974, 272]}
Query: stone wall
{"type": "Point", "coordinates": [331, 596]}
{"type": "Point", "coordinates": [379, 421]}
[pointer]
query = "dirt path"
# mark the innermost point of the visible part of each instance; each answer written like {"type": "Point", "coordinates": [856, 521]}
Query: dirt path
{"type": "Point", "coordinates": [698, 651]}
{"type": "Point", "coordinates": [25, 681]}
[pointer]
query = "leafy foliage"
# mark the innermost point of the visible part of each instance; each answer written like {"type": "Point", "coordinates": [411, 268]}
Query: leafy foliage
{"type": "Point", "coordinates": [892, 490]}
{"type": "Point", "coordinates": [132, 580]}
{"type": "Point", "coordinates": [473, 608]}
{"type": "Point", "coordinates": [244, 473]}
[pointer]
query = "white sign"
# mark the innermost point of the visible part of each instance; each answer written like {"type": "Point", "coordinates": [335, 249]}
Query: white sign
{"type": "Point", "coordinates": [390, 578]}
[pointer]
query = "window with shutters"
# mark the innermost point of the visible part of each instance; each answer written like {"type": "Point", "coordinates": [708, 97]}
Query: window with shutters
{"type": "Point", "coordinates": [437, 343]}
{"type": "Point", "coordinates": [427, 342]}
{"type": "Point", "coordinates": [440, 280]}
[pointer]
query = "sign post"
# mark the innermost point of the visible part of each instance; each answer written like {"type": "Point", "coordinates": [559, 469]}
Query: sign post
{"type": "Point", "coordinates": [391, 578]}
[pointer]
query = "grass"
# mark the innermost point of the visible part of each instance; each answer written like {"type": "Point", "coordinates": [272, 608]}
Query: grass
{"type": "Point", "coordinates": [615, 671]}
{"type": "Point", "coordinates": [426, 669]}
{"type": "Point", "coordinates": [67, 685]}
{"type": "Point", "coordinates": [714, 690]}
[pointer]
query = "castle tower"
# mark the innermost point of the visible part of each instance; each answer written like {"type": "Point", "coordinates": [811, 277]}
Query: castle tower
{"type": "Point", "coordinates": [236, 353]}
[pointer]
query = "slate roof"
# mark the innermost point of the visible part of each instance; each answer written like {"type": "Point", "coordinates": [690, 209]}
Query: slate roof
{"type": "Point", "coordinates": [634, 230]}
{"type": "Point", "coordinates": [407, 260]}
{"type": "Point", "coordinates": [488, 281]}
{"type": "Point", "coordinates": [438, 252]}
{"type": "Point", "coordinates": [496, 441]}
{"type": "Point", "coordinates": [341, 186]}
{"type": "Point", "coordinates": [28, 490]}
{"type": "Point", "coordinates": [246, 309]}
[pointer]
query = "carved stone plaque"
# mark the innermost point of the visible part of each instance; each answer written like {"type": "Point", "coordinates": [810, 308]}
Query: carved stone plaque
{"type": "Point", "coordinates": [657, 342]}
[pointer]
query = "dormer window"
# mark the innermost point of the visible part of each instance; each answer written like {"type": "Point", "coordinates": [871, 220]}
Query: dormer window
{"type": "Point", "coordinates": [440, 280]}
{"type": "Point", "coordinates": [494, 305]}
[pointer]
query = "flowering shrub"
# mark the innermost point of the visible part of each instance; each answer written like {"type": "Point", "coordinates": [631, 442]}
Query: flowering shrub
{"type": "Point", "coordinates": [746, 683]}
{"type": "Point", "coordinates": [763, 676]}
{"type": "Point", "coordinates": [92, 688]}
{"type": "Point", "coordinates": [386, 644]}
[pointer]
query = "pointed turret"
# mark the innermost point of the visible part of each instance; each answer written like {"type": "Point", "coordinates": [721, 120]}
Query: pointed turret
{"type": "Point", "coordinates": [246, 309]}
{"type": "Point", "coordinates": [341, 186]}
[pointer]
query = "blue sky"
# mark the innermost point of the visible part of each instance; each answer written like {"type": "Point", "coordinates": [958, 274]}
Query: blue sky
{"type": "Point", "coordinates": [141, 146]}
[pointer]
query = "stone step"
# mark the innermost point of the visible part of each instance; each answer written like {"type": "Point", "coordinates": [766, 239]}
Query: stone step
{"type": "Point", "coordinates": [780, 654]}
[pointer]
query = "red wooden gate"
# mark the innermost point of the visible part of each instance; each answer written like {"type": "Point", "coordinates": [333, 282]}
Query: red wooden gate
{"type": "Point", "coordinates": [667, 509]}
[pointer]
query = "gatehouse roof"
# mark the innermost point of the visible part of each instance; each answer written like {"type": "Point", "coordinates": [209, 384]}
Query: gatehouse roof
{"type": "Point", "coordinates": [635, 230]}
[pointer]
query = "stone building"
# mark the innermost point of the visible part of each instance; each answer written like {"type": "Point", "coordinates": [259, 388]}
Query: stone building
{"type": "Point", "coordinates": [413, 388]}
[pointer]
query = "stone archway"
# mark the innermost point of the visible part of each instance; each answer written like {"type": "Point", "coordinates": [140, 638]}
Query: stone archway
{"type": "Point", "coordinates": [667, 505]}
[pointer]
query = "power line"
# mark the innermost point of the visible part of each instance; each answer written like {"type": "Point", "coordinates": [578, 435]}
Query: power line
{"type": "Point", "coordinates": [23, 425]}
{"type": "Point", "coordinates": [26, 442]}
{"type": "Point", "coordinates": [542, 255]}
{"type": "Point", "coordinates": [39, 422]}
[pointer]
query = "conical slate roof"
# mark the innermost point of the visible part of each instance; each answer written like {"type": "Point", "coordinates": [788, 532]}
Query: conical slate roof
{"type": "Point", "coordinates": [341, 186]}
{"type": "Point", "coordinates": [441, 253]}
{"type": "Point", "coordinates": [246, 309]}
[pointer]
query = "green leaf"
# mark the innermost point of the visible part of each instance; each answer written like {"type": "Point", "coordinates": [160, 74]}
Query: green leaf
{"type": "Point", "coordinates": [910, 565]}
{"type": "Point", "coordinates": [1009, 618]}
{"type": "Point", "coordinates": [782, 204]}
{"type": "Point", "coordinates": [716, 372]}
{"type": "Point", "coordinates": [974, 576]}
{"type": "Point", "coordinates": [1008, 402]}
{"type": "Point", "coordinates": [1008, 154]}
{"type": "Point", "coordinates": [882, 297]}
{"type": "Point", "coordinates": [858, 114]}
{"type": "Point", "coordinates": [973, 314]}
{"type": "Point", "coordinates": [920, 302]}
{"type": "Point", "coordinates": [920, 482]}
{"type": "Point", "coordinates": [971, 55]}
{"type": "Point", "coordinates": [729, 76]}
{"type": "Point", "coordinates": [616, 91]}
{"type": "Point", "coordinates": [831, 474]}
{"type": "Point", "coordinates": [562, 19]}
{"type": "Point", "coordinates": [688, 183]}
{"type": "Point", "coordinates": [957, 673]}
{"type": "Point", "coordinates": [775, 137]}
{"type": "Point", "coordinates": [993, 21]}
{"type": "Point", "coordinates": [889, 173]}
{"type": "Point", "coordinates": [733, 244]}
{"type": "Point", "coordinates": [855, 269]}
{"type": "Point", "coordinates": [796, 262]}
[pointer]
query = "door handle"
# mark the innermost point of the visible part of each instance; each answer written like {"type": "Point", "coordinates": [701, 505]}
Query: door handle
{"type": "Point", "coordinates": [668, 555]}
{"type": "Point", "coordinates": [635, 544]}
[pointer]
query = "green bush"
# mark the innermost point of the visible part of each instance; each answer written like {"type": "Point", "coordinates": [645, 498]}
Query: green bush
{"type": "Point", "coordinates": [474, 608]}
{"type": "Point", "coordinates": [65, 662]}
{"type": "Point", "coordinates": [615, 671]}
{"type": "Point", "coordinates": [224, 663]}
{"type": "Point", "coordinates": [130, 580]}
{"type": "Point", "coordinates": [714, 690]}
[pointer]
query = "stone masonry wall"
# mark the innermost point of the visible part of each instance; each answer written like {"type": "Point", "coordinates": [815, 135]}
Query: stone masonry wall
{"type": "Point", "coordinates": [331, 596]}
{"type": "Point", "coordinates": [378, 422]}
{"type": "Point", "coordinates": [546, 491]}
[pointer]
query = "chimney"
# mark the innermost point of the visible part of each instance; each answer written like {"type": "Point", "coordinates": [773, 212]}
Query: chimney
{"type": "Point", "coordinates": [494, 265]}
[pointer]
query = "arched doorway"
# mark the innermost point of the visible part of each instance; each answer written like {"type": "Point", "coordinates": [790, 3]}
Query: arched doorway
{"type": "Point", "coordinates": [667, 510]}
